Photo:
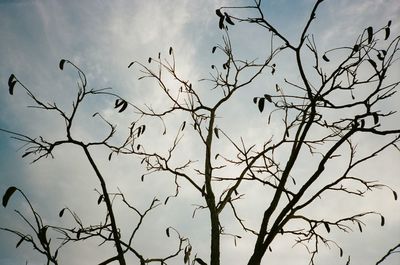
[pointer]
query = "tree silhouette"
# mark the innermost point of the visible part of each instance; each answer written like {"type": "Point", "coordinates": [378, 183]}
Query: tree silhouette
{"type": "Point", "coordinates": [317, 120]}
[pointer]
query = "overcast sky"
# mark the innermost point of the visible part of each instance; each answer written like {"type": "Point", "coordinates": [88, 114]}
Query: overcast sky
{"type": "Point", "coordinates": [102, 38]}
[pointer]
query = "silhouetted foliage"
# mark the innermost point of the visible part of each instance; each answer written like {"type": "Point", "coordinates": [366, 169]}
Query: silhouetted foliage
{"type": "Point", "coordinates": [307, 129]}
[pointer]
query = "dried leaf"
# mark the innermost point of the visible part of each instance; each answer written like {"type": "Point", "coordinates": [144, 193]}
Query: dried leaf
{"type": "Point", "coordinates": [20, 241]}
{"type": "Point", "coordinates": [170, 50]}
{"type": "Point", "coordinates": [11, 86]}
{"type": "Point", "coordinates": [183, 126]}
{"type": "Point", "coordinates": [268, 97]}
{"type": "Point", "coordinates": [228, 19]}
{"type": "Point", "coordinates": [387, 33]}
{"type": "Point", "coordinates": [9, 192]}
{"type": "Point", "coordinates": [341, 252]}
{"type": "Point", "coordinates": [218, 12]}
{"type": "Point", "coordinates": [200, 261]}
{"type": "Point", "coordinates": [255, 100]}
{"type": "Point", "coordinates": [214, 49]}
{"type": "Point", "coordinates": [356, 48]}
{"type": "Point", "coordinates": [261, 102]}
{"type": "Point", "coordinates": [359, 227]}
{"type": "Point", "coordinates": [372, 62]}
{"type": "Point", "coordinates": [216, 132]}
{"type": "Point", "coordinates": [167, 231]}
{"type": "Point", "coordinates": [61, 64]}
{"type": "Point", "coordinates": [325, 58]}
{"type": "Point", "coordinates": [61, 213]}
{"type": "Point", "coordinates": [149, 60]}
{"type": "Point", "coordinates": [109, 156]}
{"type": "Point", "coordinates": [124, 105]}
{"type": "Point", "coordinates": [327, 227]}
{"type": "Point", "coordinates": [221, 23]}
{"type": "Point", "coordinates": [394, 195]}
{"type": "Point", "coordinates": [130, 64]}
{"type": "Point", "coordinates": [42, 234]}
{"type": "Point", "coordinates": [376, 117]}
{"type": "Point", "coordinates": [100, 199]}
{"type": "Point", "coordinates": [11, 79]}
{"type": "Point", "coordinates": [382, 220]}
{"type": "Point", "coordinates": [370, 34]}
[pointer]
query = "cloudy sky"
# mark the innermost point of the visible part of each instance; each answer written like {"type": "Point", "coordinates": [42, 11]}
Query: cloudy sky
{"type": "Point", "coordinates": [102, 38]}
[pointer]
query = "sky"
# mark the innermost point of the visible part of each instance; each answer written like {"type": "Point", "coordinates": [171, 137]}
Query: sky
{"type": "Point", "coordinates": [102, 38]}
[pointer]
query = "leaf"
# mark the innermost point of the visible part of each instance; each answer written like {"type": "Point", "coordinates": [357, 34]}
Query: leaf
{"type": "Point", "coordinates": [389, 23]}
{"type": "Point", "coordinates": [261, 102]}
{"type": "Point", "coordinates": [255, 100]}
{"type": "Point", "coordinates": [118, 103]}
{"type": "Point", "coordinates": [218, 12]}
{"type": "Point", "coordinates": [221, 23]}
{"type": "Point", "coordinates": [11, 84]}
{"type": "Point", "coordinates": [277, 88]}
{"type": "Point", "coordinates": [394, 195]}
{"type": "Point", "coordinates": [78, 234]}
{"type": "Point", "coordinates": [214, 49]}
{"type": "Point", "coordinates": [170, 50]}
{"type": "Point", "coordinates": [268, 97]}
{"type": "Point", "coordinates": [149, 60]}
{"type": "Point", "coordinates": [362, 124]}
{"type": "Point", "coordinates": [167, 231]}
{"type": "Point", "coordinates": [387, 33]}
{"type": "Point", "coordinates": [109, 156]}
{"type": "Point", "coordinates": [142, 178]}
{"type": "Point", "coordinates": [10, 79]}
{"type": "Point", "coordinates": [228, 19]}
{"type": "Point", "coordinates": [124, 106]}
{"type": "Point", "coordinates": [42, 234]}
{"type": "Point", "coordinates": [200, 261]}
{"type": "Point", "coordinates": [61, 213]}
{"type": "Point", "coordinates": [9, 192]}
{"type": "Point", "coordinates": [130, 64]}
{"type": "Point", "coordinates": [216, 132]}
{"type": "Point", "coordinates": [141, 130]}
{"type": "Point", "coordinates": [376, 117]}
{"type": "Point", "coordinates": [183, 126]}
{"type": "Point", "coordinates": [61, 64]}
{"type": "Point", "coordinates": [325, 58]}
{"type": "Point", "coordinates": [370, 34]}
{"type": "Point", "coordinates": [382, 220]}
{"type": "Point", "coordinates": [341, 251]}
{"type": "Point", "coordinates": [356, 48]}
{"type": "Point", "coordinates": [372, 62]}
{"type": "Point", "coordinates": [380, 56]}
{"type": "Point", "coordinates": [327, 227]}
{"type": "Point", "coordinates": [270, 249]}
{"type": "Point", "coordinates": [100, 199]}
{"type": "Point", "coordinates": [359, 227]}
{"type": "Point", "coordinates": [20, 241]}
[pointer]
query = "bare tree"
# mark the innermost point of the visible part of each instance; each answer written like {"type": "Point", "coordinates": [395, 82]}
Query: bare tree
{"type": "Point", "coordinates": [350, 80]}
